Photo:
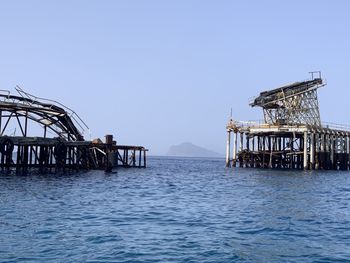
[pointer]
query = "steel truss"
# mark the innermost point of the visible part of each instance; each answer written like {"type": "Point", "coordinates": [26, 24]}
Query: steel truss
{"type": "Point", "coordinates": [295, 104]}
{"type": "Point", "coordinates": [66, 149]}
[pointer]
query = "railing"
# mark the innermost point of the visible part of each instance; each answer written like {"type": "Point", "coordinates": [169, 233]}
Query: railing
{"type": "Point", "coordinates": [71, 113]}
{"type": "Point", "coordinates": [335, 126]}
{"type": "Point", "coordinates": [263, 124]}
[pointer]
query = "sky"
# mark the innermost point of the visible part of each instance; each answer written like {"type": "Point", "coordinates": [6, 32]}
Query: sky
{"type": "Point", "coordinates": [159, 73]}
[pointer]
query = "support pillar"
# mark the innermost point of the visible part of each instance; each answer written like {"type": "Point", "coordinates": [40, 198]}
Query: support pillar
{"type": "Point", "coordinates": [317, 150]}
{"type": "Point", "coordinates": [305, 151]}
{"type": "Point", "coordinates": [234, 149]}
{"type": "Point", "coordinates": [331, 142]}
{"type": "Point", "coordinates": [241, 142]}
{"type": "Point", "coordinates": [312, 151]}
{"type": "Point", "coordinates": [228, 146]}
{"type": "Point", "coordinates": [347, 150]}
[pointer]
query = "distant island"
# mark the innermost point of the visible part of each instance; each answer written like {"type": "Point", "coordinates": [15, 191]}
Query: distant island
{"type": "Point", "coordinates": [188, 149]}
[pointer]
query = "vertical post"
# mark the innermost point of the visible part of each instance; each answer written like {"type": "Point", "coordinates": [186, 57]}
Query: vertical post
{"type": "Point", "coordinates": [240, 158]}
{"type": "Point", "coordinates": [253, 143]}
{"type": "Point", "coordinates": [326, 157]}
{"type": "Point", "coordinates": [246, 161]}
{"type": "Point", "coordinates": [317, 150]}
{"type": "Point", "coordinates": [347, 151]}
{"type": "Point", "coordinates": [312, 151]}
{"type": "Point", "coordinates": [252, 164]}
{"type": "Point", "coordinates": [322, 143]}
{"type": "Point", "coordinates": [292, 156]}
{"type": "Point", "coordinates": [247, 142]}
{"type": "Point", "coordinates": [264, 149]}
{"type": "Point", "coordinates": [234, 149]}
{"type": "Point", "coordinates": [228, 146]}
{"type": "Point", "coordinates": [26, 124]}
{"type": "Point", "coordinates": [241, 142]}
{"type": "Point", "coordinates": [30, 155]}
{"type": "Point", "coordinates": [344, 162]}
{"type": "Point", "coordinates": [140, 154]}
{"type": "Point", "coordinates": [305, 150]}
{"type": "Point", "coordinates": [272, 145]}
{"type": "Point", "coordinates": [0, 120]}
{"type": "Point", "coordinates": [331, 141]}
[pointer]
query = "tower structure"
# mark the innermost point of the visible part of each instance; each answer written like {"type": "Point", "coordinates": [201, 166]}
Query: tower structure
{"type": "Point", "coordinates": [294, 104]}
{"type": "Point", "coordinates": [292, 135]}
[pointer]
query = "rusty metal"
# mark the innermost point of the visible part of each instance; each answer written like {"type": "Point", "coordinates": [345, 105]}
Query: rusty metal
{"type": "Point", "coordinates": [292, 104]}
{"type": "Point", "coordinates": [65, 149]}
{"type": "Point", "coordinates": [292, 135]}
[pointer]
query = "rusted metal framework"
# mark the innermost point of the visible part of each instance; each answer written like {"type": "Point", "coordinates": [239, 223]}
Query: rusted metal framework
{"type": "Point", "coordinates": [60, 144]}
{"type": "Point", "coordinates": [293, 104]}
{"type": "Point", "coordinates": [51, 115]}
{"type": "Point", "coordinates": [291, 135]}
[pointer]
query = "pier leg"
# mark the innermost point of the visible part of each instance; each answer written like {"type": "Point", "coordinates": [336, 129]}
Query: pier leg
{"type": "Point", "coordinates": [347, 151]}
{"type": "Point", "coordinates": [312, 151]}
{"type": "Point", "coordinates": [264, 149]}
{"type": "Point", "coordinates": [317, 150]}
{"type": "Point", "coordinates": [331, 141]}
{"type": "Point", "coordinates": [241, 149]}
{"type": "Point", "coordinates": [271, 144]}
{"type": "Point", "coordinates": [234, 149]}
{"type": "Point", "coordinates": [305, 151]}
{"type": "Point", "coordinates": [322, 150]}
{"type": "Point", "coordinates": [228, 146]}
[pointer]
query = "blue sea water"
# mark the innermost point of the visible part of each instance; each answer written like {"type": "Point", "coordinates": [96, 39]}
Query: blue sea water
{"type": "Point", "coordinates": [176, 210]}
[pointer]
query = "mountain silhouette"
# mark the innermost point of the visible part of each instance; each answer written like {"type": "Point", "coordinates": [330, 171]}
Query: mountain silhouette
{"type": "Point", "coordinates": [188, 149]}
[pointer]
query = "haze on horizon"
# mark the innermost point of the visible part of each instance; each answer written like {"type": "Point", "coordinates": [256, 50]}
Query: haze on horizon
{"type": "Point", "coordinates": [159, 73]}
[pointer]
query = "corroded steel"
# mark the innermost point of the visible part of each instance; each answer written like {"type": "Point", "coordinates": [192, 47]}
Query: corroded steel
{"type": "Point", "coordinates": [291, 135]}
{"type": "Point", "coordinates": [292, 104]}
{"type": "Point", "coordinates": [65, 149]}
{"type": "Point", "coordinates": [50, 115]}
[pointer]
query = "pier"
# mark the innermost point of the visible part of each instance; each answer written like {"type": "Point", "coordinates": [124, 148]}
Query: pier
{"type": "Point", "coordinates": [51, 138]}
{"type": "Point", "coordinates": [291, 136]}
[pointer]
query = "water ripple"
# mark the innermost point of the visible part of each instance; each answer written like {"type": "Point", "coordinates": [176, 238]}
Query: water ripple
{"type": "Point", "coordinates": [177, 210]}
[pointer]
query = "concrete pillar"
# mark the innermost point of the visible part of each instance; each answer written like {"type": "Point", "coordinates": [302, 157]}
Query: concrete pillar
{"type": "Point", "coordinates": [241, 142]}
{"type": "Point", "coordinates": [234, 154]}
{"type": "Point", "coordinates": [322, 142]}
{"type": "Point", "coordinates": [272, 145]}
{"type": "Point", "coordinates": [263, 144]}
{"type": "Point", "coordinates": [228, 146]}
{"type": "Point", "coordinates": [305, 151]}
{"type": "Point", "coordinates": [312, 151]}
{"type": "Point", "coordinates": [348, 149]}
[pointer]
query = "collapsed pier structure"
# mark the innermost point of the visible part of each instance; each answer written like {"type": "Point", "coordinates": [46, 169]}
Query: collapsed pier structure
{"type": "Point", "coordinates": [51, 138]}
{"type": "Point", "coordinates": [291, 136]}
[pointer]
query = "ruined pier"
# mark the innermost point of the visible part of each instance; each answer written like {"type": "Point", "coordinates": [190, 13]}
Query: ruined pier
{"type": "Point", "coordinates": [45, 135]}
{"type": "Point", "coordinates": [291, 136]}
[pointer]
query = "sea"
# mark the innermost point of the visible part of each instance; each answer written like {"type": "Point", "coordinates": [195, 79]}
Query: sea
{"type": "Point", "coordinates": [176, 210]}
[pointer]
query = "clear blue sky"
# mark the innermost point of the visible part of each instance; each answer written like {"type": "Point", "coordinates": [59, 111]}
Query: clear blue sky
{"type": "Point", "coordinates": [158, 73]}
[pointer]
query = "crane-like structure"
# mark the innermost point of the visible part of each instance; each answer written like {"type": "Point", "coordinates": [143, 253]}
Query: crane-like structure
{"type": "Point", "coordinates": [292, 104]}
{"type": "Point", "coordinates": [291, 136]}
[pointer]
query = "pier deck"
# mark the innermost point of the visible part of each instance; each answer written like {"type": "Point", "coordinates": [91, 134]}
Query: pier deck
{"type": "Point", "coordinates": [66, 148]}
{"type": "Point", "coordinates": [292, 135]}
